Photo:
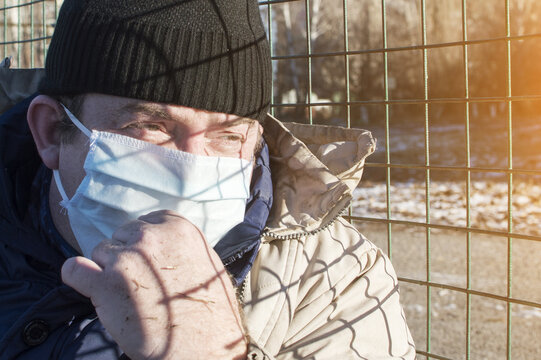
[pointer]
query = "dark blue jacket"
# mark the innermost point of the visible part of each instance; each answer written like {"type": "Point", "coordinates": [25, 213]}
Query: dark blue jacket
{"type": "Point", "coordinates": [40, 317]}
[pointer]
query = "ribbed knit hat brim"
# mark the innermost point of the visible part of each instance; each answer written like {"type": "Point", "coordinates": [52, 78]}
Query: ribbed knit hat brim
{"type": "Point", "coordinates": [152, 55]}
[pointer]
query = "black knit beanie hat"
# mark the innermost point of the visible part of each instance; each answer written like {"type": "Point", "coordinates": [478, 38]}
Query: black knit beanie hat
{"type": "Point", "coordinates": [205, 54]}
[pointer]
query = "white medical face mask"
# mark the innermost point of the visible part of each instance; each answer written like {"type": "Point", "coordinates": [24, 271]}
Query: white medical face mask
{"type": "Point", "coordinates": [127, 178]}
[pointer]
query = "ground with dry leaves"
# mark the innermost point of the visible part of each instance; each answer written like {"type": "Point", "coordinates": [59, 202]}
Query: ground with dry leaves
{"type": "Point", "coordinates": [447, 251]}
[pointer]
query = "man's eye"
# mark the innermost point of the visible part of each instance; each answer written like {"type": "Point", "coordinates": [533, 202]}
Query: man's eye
{"type": "Point", "coordinates": [147, 131]}
{"type": "Point", "coordinates": [226, 144]}
{"type": "Point", "coordinates": [146, 126]}
{"type": "Point", "coordinates": [152, 127]}
{"type": "Point", "coordinates": [233, 138]}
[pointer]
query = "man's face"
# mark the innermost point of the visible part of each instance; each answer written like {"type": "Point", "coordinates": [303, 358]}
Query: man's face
{"type": "Point", "coordinates": [190, 130]}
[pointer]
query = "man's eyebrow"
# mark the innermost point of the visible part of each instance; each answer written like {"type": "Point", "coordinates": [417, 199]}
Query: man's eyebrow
{"type": "Point", "coordinates": [237, 121]}
{"type": "Point", "coordinates": [155, 110]}
{"type": "Point", "coordinates": [152, 110]}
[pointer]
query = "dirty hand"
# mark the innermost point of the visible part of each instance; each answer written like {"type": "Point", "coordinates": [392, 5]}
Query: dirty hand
{"type": "Point", "coordinates": [161, 291]}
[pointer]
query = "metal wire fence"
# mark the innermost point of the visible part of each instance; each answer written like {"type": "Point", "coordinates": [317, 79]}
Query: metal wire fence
{"type": "Point", "coordinates": [27, 29]}
{"type": "Point", "coordinates": [451, 90]}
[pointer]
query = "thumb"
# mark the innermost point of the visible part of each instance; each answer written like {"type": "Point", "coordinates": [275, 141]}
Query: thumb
{"type": "Point", "coordinates": [82, 274]}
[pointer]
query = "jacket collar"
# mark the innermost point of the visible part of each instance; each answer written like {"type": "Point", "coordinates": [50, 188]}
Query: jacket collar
{"type": "Point", "coordinates": [239, 247]}
{"type": "Point", "coordinates": [315, 168]}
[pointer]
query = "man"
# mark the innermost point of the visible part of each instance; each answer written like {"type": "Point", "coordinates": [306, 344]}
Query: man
{"type": "Point", "coordinates": [147, 151]}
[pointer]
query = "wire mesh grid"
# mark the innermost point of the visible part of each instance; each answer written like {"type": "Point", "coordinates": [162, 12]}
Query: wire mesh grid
{"type": "Point", "coordinates": [451, 192]}
{"type": "Point", "coordinates": [27, 28]}
{"type": "Point", "coordinates": [433, 316]}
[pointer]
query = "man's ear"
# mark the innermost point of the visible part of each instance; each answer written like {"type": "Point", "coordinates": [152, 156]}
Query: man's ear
{"type": "Point", "coordinates": [44, 115]}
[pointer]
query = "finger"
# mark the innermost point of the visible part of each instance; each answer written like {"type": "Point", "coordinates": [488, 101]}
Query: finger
{"type": "Point", "coordinates": [167, 216]}
{"type": "Point", "coordinates": [105, 253]}
{"type": "Point", "coordinates": [128, 233]}
{"type": "Point", "coordinates": [161, 216]}
{"type": "Point", "coordinates": [178, 223]}
{"type": "Point", "coordinates": [82, 274]}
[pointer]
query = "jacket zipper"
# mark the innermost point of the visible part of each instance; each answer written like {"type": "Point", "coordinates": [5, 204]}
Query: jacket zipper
{"type": "Point", "coordinates": [242, 286]}
{"type": "Point", "coordinates": [305, 233]}
{"type": "Point", "coordinates": [240, 291]}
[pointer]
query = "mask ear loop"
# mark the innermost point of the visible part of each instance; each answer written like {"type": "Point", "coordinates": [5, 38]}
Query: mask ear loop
{"type": "Point", "coordinates": [56, 174]}
{"type": "Point", "coordinates": [65, 199]}
{"type": "Point", "coordinates": [76, 122]}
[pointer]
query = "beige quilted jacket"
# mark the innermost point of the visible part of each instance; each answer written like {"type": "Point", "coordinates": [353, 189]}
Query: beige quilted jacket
{"type": "Point", "coordinates": [318, 288]}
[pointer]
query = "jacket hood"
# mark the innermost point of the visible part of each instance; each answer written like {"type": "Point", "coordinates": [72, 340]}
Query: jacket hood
{"type": "Point", "coordinates": [17, 84]}
{"type": "Point", "coordinates": [315, 168]}
{"type": "Point", "coordinates": [19, 161]}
